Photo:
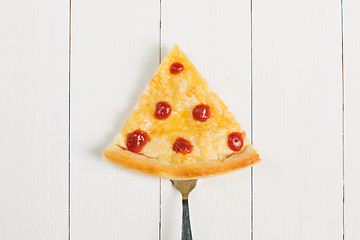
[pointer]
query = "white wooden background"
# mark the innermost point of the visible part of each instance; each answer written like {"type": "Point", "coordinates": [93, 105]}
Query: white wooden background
{"type": "Point", "coordinates": [71, 71]}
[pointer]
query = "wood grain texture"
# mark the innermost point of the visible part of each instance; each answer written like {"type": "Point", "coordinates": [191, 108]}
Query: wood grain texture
{"type": "Point", "coordinates": [216, 38]}
{"type": "Point", "coordinates": [115, 52]}
{"type": "Point", "coordinates": [351, 33]}
{"type": "Point", "coordinates": [34, 119]}
{"type": "Point", "coordinates": [297, 119]}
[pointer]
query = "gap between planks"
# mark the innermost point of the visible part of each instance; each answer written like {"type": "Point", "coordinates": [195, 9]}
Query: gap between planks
{"type": "Point", "coordinates": [343, 119]}
{"type": "Point", "coordinates": [160, 178]}
{"type": "Point", "coordinates": [251, 124]}
{"type": "Point", "coordinates": [69, 117]}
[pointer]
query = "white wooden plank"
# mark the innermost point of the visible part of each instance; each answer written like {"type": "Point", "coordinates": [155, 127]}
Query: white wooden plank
{"type": "Point", "coordinates": [216, 38]}
{"type": "Point", "coordinates": [351, 33]}
{"type": "Point", "coordinates": [115, 52]}
{"type": "Point", "coordinates": [34, 119]}
{"type": "Point", "coordinates": [297, 119]}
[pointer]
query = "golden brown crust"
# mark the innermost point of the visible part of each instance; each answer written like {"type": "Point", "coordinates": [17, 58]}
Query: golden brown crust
{"type": "Point", "coordinates": [150, 166]}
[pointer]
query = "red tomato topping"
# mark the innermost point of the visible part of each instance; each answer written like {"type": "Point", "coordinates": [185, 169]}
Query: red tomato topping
{"type": "Point", "coordinates": [137, 140]}
{"type": "Point", "coordinates": [163, 110]}
{"type": "Point", "coordinates": [201, 112]}
{"type": "Point", "coordinates": [176, 68]}
{"type": "Point", "coordinates": [235, 141]}
{"type": "Point", "coordinates": [183, 146]}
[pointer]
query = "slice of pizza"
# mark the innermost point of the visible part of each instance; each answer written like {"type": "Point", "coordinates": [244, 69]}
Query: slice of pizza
{"type": "Point", "coordinates": [180, 128]}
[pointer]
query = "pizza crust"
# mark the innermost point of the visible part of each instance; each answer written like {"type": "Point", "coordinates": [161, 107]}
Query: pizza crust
{"type": "Point", "coordinates": [203, 169]}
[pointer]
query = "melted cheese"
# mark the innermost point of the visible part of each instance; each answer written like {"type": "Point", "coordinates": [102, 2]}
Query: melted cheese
{"type": "Point", "coordinates": [183, 92]}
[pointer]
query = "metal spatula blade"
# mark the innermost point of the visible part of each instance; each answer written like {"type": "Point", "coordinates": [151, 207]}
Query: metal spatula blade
{"type": "Point", "coordinates": [185, 187]}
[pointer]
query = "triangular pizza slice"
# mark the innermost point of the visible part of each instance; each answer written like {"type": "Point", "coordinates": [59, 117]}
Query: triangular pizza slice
{"type": "Point", "coordinates": [180, 129]}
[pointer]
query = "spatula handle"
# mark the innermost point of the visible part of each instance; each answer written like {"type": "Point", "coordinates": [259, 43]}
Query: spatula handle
{"type": "Point", "coordinates": [186, 228]}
